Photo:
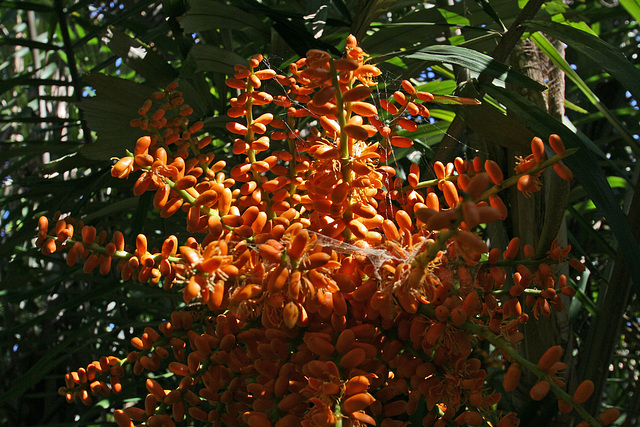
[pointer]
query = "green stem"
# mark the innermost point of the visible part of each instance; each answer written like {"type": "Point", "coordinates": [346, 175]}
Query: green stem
{"type": "Point", "coordinates": [511, 351]}
{"type": "Point", "coordinates": [424, 258]}
{"type": "Point", "coordinates": [291, 144]}
{"type": "Point", "coordinates": [497, 188]}
{"type": "Point", "coordinates": [345, 155]}
{"type": "Point", "coordinates": [528, 291]}
{"type": "Point", "coordinates": [342, 121]}
{"type": "Point", "coordinates": [94, 247]}
{"type": "Point", "coordinates": [251, 154]}
{"type": "Point", "coordinates": [514, 179]}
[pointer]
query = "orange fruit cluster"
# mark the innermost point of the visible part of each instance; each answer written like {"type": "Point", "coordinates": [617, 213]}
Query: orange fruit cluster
{"type": "Point", "coordinates": [327, 289]}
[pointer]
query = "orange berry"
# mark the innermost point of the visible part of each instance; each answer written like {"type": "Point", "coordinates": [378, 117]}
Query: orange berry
{"type": "Point", "coordinates": [278, 278]}
{"type": "Point", "coordinates": [512, 249]}
{"type": "Point", "coordinates": [408, 87]}
{"type": "Point", "coordinates": [324, 95]}
{"type": "Point", "coordinates": [404, 220]}
{"type": "Point", "coordinates": [88, 234]}
{"type": "Point", "coordinates": [556, 144]}
{"type": "Point", "coordinates": [477, 185]}
{"type": "Point", "coordinates": [123, 167]}
{"type": "Point", "coordinates": [357, 402]}
{"type": "Point", "coordinates": [583, 392]}
{"type": "Point", "coordinates": [473, 418]}
{"type": "Point", "coordinates": [91, 263]}
{"type": "Point", "coordinates": [43, 224]}
{"type": "Point", "coordinates": [353, 358]}
{"type": "Point", "coordinates": [356, 132]}
{"type": "Point", "coordinates": [512, 377]}
{"type": "Point", "coordinates": [261, 98]}
{"type": "Point", "coordinates": [563, 171]}
{"type": "Point", "coordinates": [235, 83]}
{"type": "Point", "coordinates": [122, 419]}
{"type": "Point", "coordinates": [497, 203]}
{"type": "Point", "coordinates": [141, 244]}
{"type": "Point", "coordinates": [290, 314]}
{"type": "Point", "coordinates": [298, 245]}
{"type": "Point", "coordinates": [401, 141]}
{"type": "Point", "coordinates": [270, 253]}
{"type": "Point", "coordinates": [358, 228]}
{"type": "Point", "coordinates": [450, 193]}
{"type": "Point", "coordinates": [265, 74]}
{"type": "Point", "coordinates": [540, 390]}
{"type": "Point", "coordinates": [236, 128]}
{"type": "Point", "coordinates": [442, 313]}
{"type": "Point", "coordinates": [472, 304]}
{"type": "Point", "coordinates": [537, 148]}
{"type": "Point", "coordinates": [364, 109]}
{"type": "Point", "coordinates": [407, 124]}
{"type": "Point", "coordinates": [549, 358]}
{"type": "Point", "coordinates": [400, 97]}
{"type": "Point", "coordinates": [528, 184]}
{"type": "Point", "coordinates": [345, 341]}
{"type": "Point", "coordinates": [319, 345]}
{"type": "Point", "coordinates": [425, 96]}
{"type": "Point", "coordinates": [434, 333]}
{"type": "Point", "coordinates": [358, 93]}
{"type": "Point", "coordinates": [355, 385]}
{"type": "Point", "coordinates": [608, 416]}
{"type": "Point", "coordinates": [494, 171]}
{"type": "Point", "coordinates": [458, 316]}
{"type": "Point", "coordinates": [564, 406]}
{"type": "Point", "coordinates": [156, 389]}
{"type": "Point", "coordinates": [49, 247]}
{"type": "Point", "coordinates": [198, 413]}
{"type": "Point", "coordinates": [439, 169]}
{"type": "Point", "coordinates": [179, 369]}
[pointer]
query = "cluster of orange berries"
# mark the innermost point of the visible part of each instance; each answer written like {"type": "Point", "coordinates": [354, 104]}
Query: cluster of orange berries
{"type": "Point", "coordinates": [327, 290]}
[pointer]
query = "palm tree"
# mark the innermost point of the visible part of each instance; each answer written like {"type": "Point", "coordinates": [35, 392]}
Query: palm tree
{"type": "Point", "coordinates": [75, 73]}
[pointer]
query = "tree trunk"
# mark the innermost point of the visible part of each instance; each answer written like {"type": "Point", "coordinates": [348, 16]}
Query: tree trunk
{"type": "Point", "coordinates": [537, 220]}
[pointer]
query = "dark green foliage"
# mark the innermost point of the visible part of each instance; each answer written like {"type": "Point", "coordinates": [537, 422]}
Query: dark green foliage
{"type": "Point", "coordinates": [74, 74]}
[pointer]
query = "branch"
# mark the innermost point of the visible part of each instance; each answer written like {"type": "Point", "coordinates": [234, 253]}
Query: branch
{"type": "Point", "coordinates": [513, 354]}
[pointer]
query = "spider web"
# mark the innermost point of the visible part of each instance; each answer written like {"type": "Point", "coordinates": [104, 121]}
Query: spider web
{"type": "Point", "coordinates": [377, 256]}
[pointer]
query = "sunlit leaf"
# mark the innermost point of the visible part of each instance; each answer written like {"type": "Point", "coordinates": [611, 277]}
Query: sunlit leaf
{"type": "Point", "coordinates": [633, 7]}
{"type": "Point", "coordinates": [455, 100]}
{"type": "Point", "coordinates": [474, 61]}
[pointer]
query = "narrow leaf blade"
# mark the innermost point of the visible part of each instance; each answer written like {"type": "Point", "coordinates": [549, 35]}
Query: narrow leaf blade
{"type": "Point", "coordinates": [605, 55]}
{"type": "Point", "coordinates": [474, 61]}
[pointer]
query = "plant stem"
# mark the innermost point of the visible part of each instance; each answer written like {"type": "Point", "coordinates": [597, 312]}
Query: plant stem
{"type": "Point", "coordinates": [508, 348]}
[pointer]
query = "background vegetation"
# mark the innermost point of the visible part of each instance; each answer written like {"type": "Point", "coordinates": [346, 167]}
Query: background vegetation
{"type": "Point", "coordinates": [73, 74]}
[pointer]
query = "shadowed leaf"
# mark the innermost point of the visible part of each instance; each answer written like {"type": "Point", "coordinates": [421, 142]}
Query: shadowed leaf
{"type": "Point", "coordinates": [591, 177]}
{"type": "Point", "coordinates": [140, 57]}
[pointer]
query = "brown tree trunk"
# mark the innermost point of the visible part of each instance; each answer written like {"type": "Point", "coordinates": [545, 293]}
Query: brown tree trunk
{"type": "Point", "coordinates": [537, 220]}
